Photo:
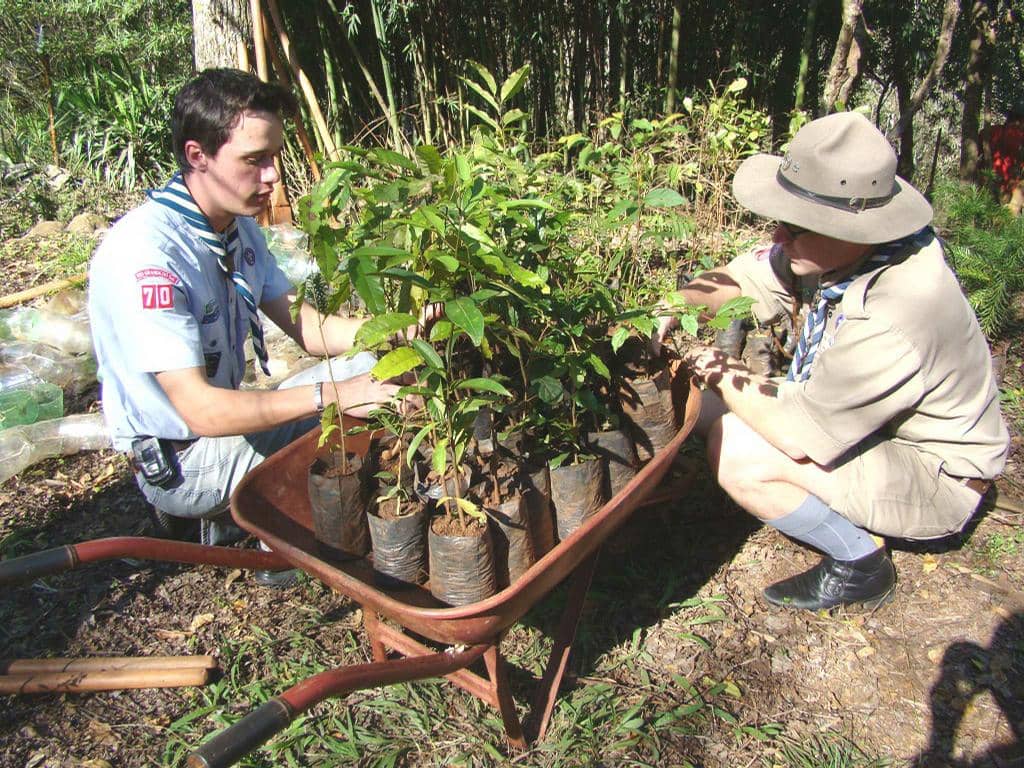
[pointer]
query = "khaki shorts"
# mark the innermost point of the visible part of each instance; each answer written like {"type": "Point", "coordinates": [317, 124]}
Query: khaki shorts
{"type": "Point", "coordinates": [895, 490]}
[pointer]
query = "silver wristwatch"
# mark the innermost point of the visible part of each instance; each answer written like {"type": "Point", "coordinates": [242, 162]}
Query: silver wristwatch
{"type": "Point", "coordinates": [318, 397]}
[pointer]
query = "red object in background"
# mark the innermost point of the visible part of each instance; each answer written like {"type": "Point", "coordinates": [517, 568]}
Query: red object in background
{"type": "Point", "coordinates": [1007, 143]}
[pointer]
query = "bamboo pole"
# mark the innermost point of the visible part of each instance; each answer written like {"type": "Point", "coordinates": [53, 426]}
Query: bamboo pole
{"type": "Point", "coordinates": [300, 128]}
{"type": "Point", "coordinates": [102, 680]}
{"type": "Point", "coordinates": [107, 663]}
{"type": "Point", "coordinates": [259, 45]}
{"type": "Point", "coordinates": [304, 85]}
{"type": "Point", "coordinates": [20, 297]}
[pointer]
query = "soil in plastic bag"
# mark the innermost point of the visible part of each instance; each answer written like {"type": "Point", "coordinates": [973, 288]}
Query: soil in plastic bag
{"type": "Point", "coordinates": [399, 544]}
{"type": "Point", "coordinates": [461, 562]}
{"type": "Point", "coordinates": [537, 495]}
{"type": "Point", "coordinates": [577, 493]}
{"type": "Point", "coordinates": [649, 414]}
{"type": "Point", "coordinates": [510, 525]}
{"type": "Point", "coordinates": [339, 503]}
{"type": "Point", "coordinates": [615, 448]}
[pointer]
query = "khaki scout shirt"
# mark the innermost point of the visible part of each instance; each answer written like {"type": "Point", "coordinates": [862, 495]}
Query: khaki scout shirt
{"type": "Point", "coordinates": [902, 355]}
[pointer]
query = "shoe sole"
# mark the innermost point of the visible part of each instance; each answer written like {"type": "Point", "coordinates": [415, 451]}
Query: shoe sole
{"type": "Point", "coordinates": [866, 605]}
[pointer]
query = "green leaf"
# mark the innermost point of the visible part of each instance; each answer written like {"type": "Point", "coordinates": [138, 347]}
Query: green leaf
{"type": "Point", "coordinates": [689, 324]}
{"type": "Point", "coordinates": [512, 116]}
{"type": "Point", "coordinates": [427, 217]}
{"type": "Point", "coordinates": [439, 459]}
{"type": "Point", "coordinates": [362, 273]}
{"type": "Point", "coordinates": [394, 159]}
{"type": "Point", "coordinates": [482, 93]}
{"type": "Point", "coordinates": [619, 338]}
{"type": "Point", "coordinates": [430, 157]}
{"type": "Point", "coordinates": [514, 83]}
{"type": "Point", "coordinates": [484, 385]}
{"type": "Point", "coordinates": [474, 233]}
{"type": "Point", "coordinates": [407, 276]}
{"type": "Point", "coordinates": [597, 366]}
{"type": "Point", "coordinates": [482, 115]}
{"type": "Point", "coordinates": [663, 198]}
{"type": "Point", "coordinates": [414, 444]}
{"type": "Point", "coordinates": [464, 313]}
{"type": "Point", "coordinates": [525, 277]}
{"type": "Point", "coordinates": [379, 250]}
{"type": "Point", "coordinates": [549, 389]}
{"type": "Point", "coordinates": [427, 352]}
{"type": "Point", "coordinates": [485, 75]}
{"type": "Point", "coordinates": [395, 363]}
{"type": "Point", "coordinates": [448, 263]}
{"type": "Point", "coordinates": [379, 329]}
{"type": "Point", "coordinates": [441, 330]}
{"type": "Point", "coordinates": [737, 85]}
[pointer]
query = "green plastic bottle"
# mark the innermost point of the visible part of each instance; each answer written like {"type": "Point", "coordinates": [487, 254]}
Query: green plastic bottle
{"type": "Point", "coordinates": [28, 405]}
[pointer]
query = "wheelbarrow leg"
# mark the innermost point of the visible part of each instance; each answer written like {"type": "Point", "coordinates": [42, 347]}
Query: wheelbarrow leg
{"type": "Point", "coordinates": [371, 621]}
{"type": "Point", "coordinates": [497, 671]}
{"type": "Point", "coordinates": [544, 702]}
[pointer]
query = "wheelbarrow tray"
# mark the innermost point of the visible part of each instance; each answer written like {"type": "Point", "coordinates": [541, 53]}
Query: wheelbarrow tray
{"type": "Point", "coordinates": [272, 502]}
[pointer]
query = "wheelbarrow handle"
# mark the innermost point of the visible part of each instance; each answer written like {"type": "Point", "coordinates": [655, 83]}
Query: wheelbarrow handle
{"type": "Point", "coordinates": [45, 563]}
{"type": "Point", "coordinates": [232, 744]}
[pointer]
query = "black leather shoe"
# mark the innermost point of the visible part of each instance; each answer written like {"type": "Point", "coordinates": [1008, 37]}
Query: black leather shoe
{"type": "Point", "coordinates": [277, 579]}
{"type": "Point", "coordinates": [869, 580]}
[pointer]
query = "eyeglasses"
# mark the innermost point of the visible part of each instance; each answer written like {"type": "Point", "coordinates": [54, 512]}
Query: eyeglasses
{"type": "Point", "coordinates": [792, 230]}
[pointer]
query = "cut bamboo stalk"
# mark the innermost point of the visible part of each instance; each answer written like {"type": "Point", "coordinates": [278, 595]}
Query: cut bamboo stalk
{"type": "Point", "coordinates": [102, 680]}
{"type": "Point", "coordinates": [259, 45]}
{"type": "Point", "coordinates": [300, 129]}
{"type": "Point", "coordinates": [20, 297]}
{"type": "Point", "coordinates": [27, 666]}
{"type": "Point", "coordinates": [304, 85]}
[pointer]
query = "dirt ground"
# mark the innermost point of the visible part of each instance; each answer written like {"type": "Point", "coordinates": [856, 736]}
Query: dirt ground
{"type": "Point", "coordinates": [935, 678]}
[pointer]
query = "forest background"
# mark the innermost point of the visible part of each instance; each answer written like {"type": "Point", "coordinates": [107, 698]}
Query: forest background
{"type": "Point", "coordinates": [87, 84]}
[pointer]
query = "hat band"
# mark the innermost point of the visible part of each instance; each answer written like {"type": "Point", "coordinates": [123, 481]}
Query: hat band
{"type": "Point", "coordinates": [849, 204]}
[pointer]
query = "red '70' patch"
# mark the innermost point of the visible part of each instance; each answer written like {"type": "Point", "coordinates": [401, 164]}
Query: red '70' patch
{"type": "Point", "coordinates": [157, 297]}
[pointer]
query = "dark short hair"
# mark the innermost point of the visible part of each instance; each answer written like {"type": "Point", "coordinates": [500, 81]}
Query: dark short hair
{"type": "Point", "coordinates": [209, 106]}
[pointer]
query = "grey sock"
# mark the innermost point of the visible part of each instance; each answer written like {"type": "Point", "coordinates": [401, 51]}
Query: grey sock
{"type": "Point", "coordinates": [817, 524]}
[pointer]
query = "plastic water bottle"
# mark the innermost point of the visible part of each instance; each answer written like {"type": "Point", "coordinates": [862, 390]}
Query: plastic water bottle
{"type": "Point", "coordinates": [21, 447]}
{"type": "Point", "coordinates": [48, 363]}
{"type": "Point", "coordinates": [29, 404]}
{"type": "Point", "coordinates": [64, 333]}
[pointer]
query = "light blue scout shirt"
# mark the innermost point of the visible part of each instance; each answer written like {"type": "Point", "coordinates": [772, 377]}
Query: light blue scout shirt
{"type": "Point", "coordinates": [159, 302]}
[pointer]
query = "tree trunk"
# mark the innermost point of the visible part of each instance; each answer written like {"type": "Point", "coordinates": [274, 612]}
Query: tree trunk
{"type": "Point", "coordinates": [219, 29]}
{"type": "Point", "coordinates": [806, 51]}
{"type": "Point", "coordinates": [673, 57]}
{"type": "Point", "coordinates": [982, 41]}
{"type": "Point", "coordinates": [838, 72]}
{"type": "Point", "coordinates": [945, 41]}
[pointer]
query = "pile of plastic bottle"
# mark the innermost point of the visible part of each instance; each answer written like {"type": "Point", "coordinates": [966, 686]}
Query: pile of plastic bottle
{"type": "Point", "coordinates": [45, 352]}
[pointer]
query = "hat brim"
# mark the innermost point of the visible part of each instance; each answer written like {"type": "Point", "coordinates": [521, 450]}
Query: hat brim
{"type": "Point", "coordinates": [756, 188]}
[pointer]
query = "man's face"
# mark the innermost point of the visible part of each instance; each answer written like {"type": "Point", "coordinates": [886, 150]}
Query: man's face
{"type": "Point", "coordinates": [238, 179]}
{"type": "Point", "coordinates": [810, 253]}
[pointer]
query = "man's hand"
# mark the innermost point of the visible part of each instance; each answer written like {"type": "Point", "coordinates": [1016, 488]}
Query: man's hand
{"type": "Point", "coordinates": [710, 364]}
{"type": "Point", "coordinates": [666, 324]}
{"type": "Point", "coordinates": [359, 395]}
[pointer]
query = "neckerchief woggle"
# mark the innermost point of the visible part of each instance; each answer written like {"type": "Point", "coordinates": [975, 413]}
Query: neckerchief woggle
{"type": "Point", "coordinates": [224, 247]}
{"type": "Point", "coordinates": [814, 326]}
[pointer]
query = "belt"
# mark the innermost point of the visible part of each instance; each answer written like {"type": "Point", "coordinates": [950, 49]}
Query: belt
{"type": "Point", "coordinates": [180, 445]}
{"type": "Point", "coordinates": [976, 484]}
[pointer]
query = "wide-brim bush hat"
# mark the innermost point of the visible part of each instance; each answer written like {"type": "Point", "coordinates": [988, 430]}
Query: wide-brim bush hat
{"type": "Point", "coordinates": [838, 179]}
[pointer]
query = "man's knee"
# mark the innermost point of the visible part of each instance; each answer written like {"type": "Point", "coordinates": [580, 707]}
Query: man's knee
{"type": "Point", "coordinates": [736, 455]}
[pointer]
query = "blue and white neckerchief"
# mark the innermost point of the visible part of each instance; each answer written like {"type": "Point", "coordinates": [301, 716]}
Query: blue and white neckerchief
{"type": "Point", "coordinates": [224, 247]}
{"type": "Point", "coordinates": [814, 326]}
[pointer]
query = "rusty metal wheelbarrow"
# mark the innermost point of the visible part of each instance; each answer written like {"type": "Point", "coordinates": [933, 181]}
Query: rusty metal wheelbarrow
{"type": "Point", "coordinates": [272, 503]}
